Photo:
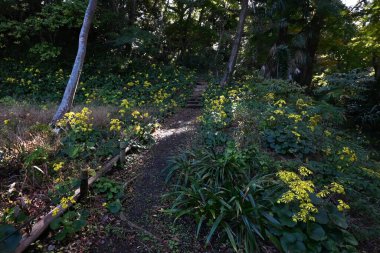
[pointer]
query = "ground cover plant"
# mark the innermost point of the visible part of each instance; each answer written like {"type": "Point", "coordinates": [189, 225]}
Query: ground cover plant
{"type": "Point", "coordinates": [90, 134]}
{"type": "Point", "coordinates": [291, 175]}
{"type": "Point", "coordinates": [249, 126]}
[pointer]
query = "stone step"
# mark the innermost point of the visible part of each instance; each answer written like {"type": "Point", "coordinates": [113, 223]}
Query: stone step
{"type": "Point", "coordinates": [194, 106]}
{"type": "Point", "coordinates": [196, 99]}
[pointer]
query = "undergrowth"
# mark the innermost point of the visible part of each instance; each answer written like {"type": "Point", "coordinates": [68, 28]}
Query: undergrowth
{"type": "Point", "coordinates": [277, 167]}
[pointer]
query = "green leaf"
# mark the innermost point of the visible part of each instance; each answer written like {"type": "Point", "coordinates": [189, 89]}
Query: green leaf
{"type": "Point", "coordinates": [271, 218]}
{"type": "Point", "coordinates": [200, 225]}
{"type": "Point", "coordinates": [55, 224]}
{"type": "Point", "coordinates": [61, 235]}
{"type": "Point", "coordinates": [287, 240]}
{"type": "Point", "coordinates": [273, 239]}
{"type": "Point", "coordinates": [115, 207]}
{"type": "Point", "coordinates": [315, 231]}
{"type": "Point", "coordinates": [73, 151]}
{"type": "Point", "coordinates": [338, 219]}
{"type": "Point", "coordinates": [9, 238]}
{"type": "Point", "coordinates": [322, 217]}
{"type": "Point", "coordinates": [214, 227]}
{"type": "Point", "coordinates": [230, 235]}
{"type": "Point", "coordinates": [349, 238]}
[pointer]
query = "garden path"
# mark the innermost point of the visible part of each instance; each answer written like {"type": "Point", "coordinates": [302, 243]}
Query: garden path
{"type": "Point", "coordinates": [148, 228]}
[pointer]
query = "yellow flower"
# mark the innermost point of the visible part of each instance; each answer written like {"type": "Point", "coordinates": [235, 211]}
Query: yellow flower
{"type": "Point", "coordinates": [301, 103]}
{"type": "Point", "coordinates": [115, 125]}
{"type": "Point", "coordinates": [337, 188]}
{"type": "Point", "coordinates": [55, 211]}
{"type": "Point", "coordinates": [342, 205]}
{"type": "Point", "coordinates": [314, 120]}
{"type": "Point", "coordinates": [147, 84]}
{"type": "Point", "coordinates": [135, 114]}
{"type": "Point", "coordinates": [280, 103]}
{"type": "Point", "coordinates": [347, 154]}
{"type": "Point", "coordinates": [280, 112]}
{"type": "Point", "coordinates": [304, 171]}
{"type": "Point", "coordinates": [6, 121]}
{"type": "Point", "coordinates": [79, 121]}
{"type": "Point", "coordinates": [296, 134]}
{"type": "Point", "coordinates": [58, 166]}
{"type": "Point", "coordinates": [269, 96]}
{"type": "Point", "coordinates": [125, 104]}
{"type": "Point", "coordinates": [137, 129]}
{"type": "Point", "coordinates": [295, 117]}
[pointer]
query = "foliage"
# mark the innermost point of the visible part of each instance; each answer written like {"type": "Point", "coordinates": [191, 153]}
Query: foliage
{"type": "Point", "coordinates": [354, 92]}
{"type": "Point", "coordinates": [298, 200]}
{"type": "Point", "coordinates": [9, 238]}
{"type": "Point", "coordinates": [214, 185]}
{"type": "Point", "coordinates": [111, 189]}
{"type": "Point", "coordinates": [70, 223]}
{"type": "Point", "coordinates": [113, 192]}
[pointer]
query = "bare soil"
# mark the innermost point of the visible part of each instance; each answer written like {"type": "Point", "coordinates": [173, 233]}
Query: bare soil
{"type": "Point", "coordinates": [146, 228]}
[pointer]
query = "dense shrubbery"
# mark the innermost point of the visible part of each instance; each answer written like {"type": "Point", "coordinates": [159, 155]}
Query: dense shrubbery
{"type": "Point", "coordinates": [290, 189]}
{"type": "Point", "coordinates": [354, 91]}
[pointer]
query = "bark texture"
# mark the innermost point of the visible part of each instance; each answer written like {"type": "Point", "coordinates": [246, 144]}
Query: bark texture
{"type": "Point", "coordinates": [72, 84]}
{"type": "Point", "coordinates": [236, 44]}
{"type": "Point", "coordinates": [313, 35]}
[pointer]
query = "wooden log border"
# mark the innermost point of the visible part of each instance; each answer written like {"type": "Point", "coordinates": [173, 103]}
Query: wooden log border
{"type": "Point", "coordinates": [39, 227]}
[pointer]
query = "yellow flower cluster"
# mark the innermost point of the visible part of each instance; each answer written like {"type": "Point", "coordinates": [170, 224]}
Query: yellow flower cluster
{"type": "Point", "coordinates": [137, 128]}
{"type": "Point", "coordinates": [78, 121]}
{"type": "Point", "coordinates": [342, 205]}
{"type": "Point", "coordinates": [296, 117]}
{"type": "Point", "coordinates": [58, 166]}
{"type": "Point", "coordinates": [217, 110]}
{"type": "Point", "coordinates": [65, 202]}
{"type": "Point", "coordinates": [314, 121]}
{"type": "Point", "coordinates": [269, 96]}
{"type": "Point", "coordinates": [302, 104]}
{"type": "Point", "coordinates": [124, 105]}
{"type": "Point", "coordinates": [280, 103]}
{"type": "Point", "coordinates": [300, 191]}
{"type": "Point", "coordinates": [346, 154]}
{"type": "Point", "coordinates": [147, 84]}
{"type": "Point", "coordinates": [160, 96]}
{"type": "Point", "coordinates": [90, 97]}
{"type": "Point", "coordinates": [327, 133]}
{"type": "Point", "coordinates": [115, 125]}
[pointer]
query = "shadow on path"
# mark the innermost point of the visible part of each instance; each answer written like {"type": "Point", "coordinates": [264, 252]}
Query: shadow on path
{"type": "Point", "coordinates": [145, 205]}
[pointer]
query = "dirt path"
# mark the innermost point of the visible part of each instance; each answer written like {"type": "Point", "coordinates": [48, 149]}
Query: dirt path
{"type": "Point", "coordinates": [156, 232]}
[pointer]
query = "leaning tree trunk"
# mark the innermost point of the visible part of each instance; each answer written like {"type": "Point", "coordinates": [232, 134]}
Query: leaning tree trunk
{"type": "Point", "coordinates": [68, 96]}
{"type": "Point", "coordinates": [235, 47]}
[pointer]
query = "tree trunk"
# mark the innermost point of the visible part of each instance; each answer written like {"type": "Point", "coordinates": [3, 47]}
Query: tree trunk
{"type": "Point", "coordinates": [132, 12]}
{"type": "Point", "coordinates": [235, 47]}
{"type": "Point", "coordinates": [376, 66]}
{"type": "Point", "coordinates": [68, 96]}
{"type": "Point", "coordinates": [276, 65]}
{"type": "Point", "coordinates": [313, 35]}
